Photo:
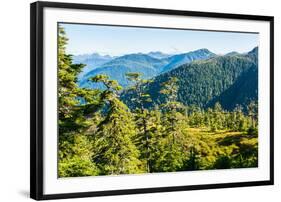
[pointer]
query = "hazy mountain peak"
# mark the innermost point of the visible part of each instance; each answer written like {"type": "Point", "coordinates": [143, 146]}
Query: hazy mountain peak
{"type": "Point", "coordinates": [158, 54]}
{"type": "Point", "coordinates": [91, 61]}
{"type": "Point", "coordinates": [253, 54]}
{"type": "Point", "coordinates": [137, 57]}
{"type": "Point", "coordinates": [203, 50]}
{"type": "Point", "coordinates": [155, 52]}
{"type": "Point", "coordinates": [232, 53]}
{"type": "Point", "coordinates": [184, 58]}
{"type": "Point", "coordinates": [254, 50]}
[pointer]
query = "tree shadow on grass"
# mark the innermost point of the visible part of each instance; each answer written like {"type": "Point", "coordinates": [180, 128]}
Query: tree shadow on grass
{"type": "Point", "coordinates": [231, 139]}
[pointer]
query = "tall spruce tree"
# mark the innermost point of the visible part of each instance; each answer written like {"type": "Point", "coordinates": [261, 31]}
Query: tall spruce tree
{"type": "Point", "coordinates": [252, 110]}
{"type": "Point", "coordinates": [74, 147]}
{"type": "Point", "coordinates": [175, 123]}
{"type": "Point", "coordinates": [142, 118]}
{"type": "Point", "coordinates": [114, 150]}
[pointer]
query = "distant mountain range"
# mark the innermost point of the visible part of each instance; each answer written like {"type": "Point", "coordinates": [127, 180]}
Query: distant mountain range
{"type": "Point", "coordinates": [185, 58]}
{"type": "Point", "coordinates": [204, 77]}
{"type": "Point", "coordinates": [149, 65]}
{"type": "Point", "coordinates": [158, 54]}
{"type": "Point", "coordinates": [231, 80]}
{"type": "Point", "coordinates": [91, 61]}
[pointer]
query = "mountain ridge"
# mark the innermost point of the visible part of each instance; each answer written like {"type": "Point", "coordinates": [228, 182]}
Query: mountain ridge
{"type": "Point", "coordinates": [205, 82]}
{"type": "Point", "coordinates": [145, 64]}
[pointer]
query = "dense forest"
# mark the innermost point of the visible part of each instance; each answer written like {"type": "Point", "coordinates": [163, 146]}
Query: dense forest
{"type": "Point", "coordinates": [155, 125]}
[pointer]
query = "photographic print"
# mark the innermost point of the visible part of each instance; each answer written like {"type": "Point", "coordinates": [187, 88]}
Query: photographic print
{"type": "Point", "coordinates": [138, 100]}
{"type": "Point", "coordinates": [128, 100]}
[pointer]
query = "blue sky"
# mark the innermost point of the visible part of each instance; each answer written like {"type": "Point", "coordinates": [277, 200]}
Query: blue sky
{"type": "Point", "coordinates": [116, 41]}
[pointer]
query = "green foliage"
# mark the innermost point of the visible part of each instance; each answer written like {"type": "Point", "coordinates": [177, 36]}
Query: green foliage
{"type": "Point", "coordinates": [114, 151]}
{"type": "Point", "coordinates": [143, 118]}
{"type": "Point", "coordinates": [75, 157]}
{"type": "Point", "coordinates": [74, 148]}
{"type": "Point", "coordinates": [149, 138]}
{"type": "Point", "coordinates": [223, 162]}
{"type": "Point", "coordinates": [175, 124]}
{"type": "Point", "coordinates": [193, 161]}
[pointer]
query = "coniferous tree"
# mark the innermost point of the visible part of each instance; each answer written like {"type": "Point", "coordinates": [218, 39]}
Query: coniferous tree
{"type": "Point", "coordinates": [74, 147]}
{"type": "Point", "coordinates": [193, 160]}
{"type": "Point", "coordinates": [76, 157]}
{"type": "Point", "coordinates": [114, 150]}
{"type": "Point", "coordinates": [142, 118]}
{"type": "Point", "coordinates": [252, 109]}
{"type": "Point", "coordinates": [240, 122]}
{"type": "Point", "coordinates": [218, 117]}
{"type": "Point", "coordinates": [175, 123]}
{"type": "Point", "coordinates": [156, 141]}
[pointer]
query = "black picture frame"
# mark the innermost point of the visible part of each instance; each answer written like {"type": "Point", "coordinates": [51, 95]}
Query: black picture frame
{"type": "Point", "coordinates": [37, 101]}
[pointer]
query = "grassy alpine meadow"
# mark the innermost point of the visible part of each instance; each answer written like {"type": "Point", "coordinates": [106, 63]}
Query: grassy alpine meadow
{"type": "Point", "coordinates": [149, 113]}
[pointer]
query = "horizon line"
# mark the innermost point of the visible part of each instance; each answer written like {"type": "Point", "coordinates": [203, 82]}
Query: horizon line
{"type": "Point", "coordinates": [101, 53]}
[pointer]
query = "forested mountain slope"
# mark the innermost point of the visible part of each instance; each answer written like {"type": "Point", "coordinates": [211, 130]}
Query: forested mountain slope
{"type": "Point", "coordinates": [230, 80]}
